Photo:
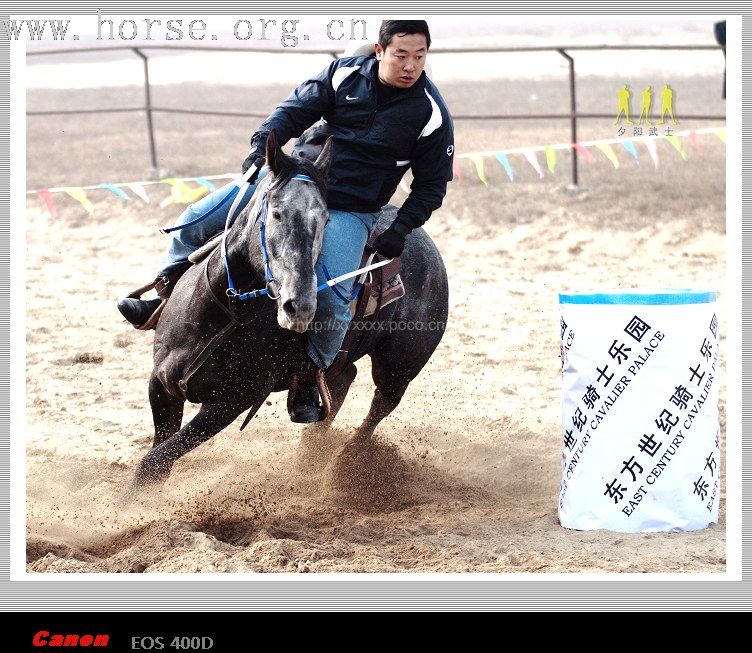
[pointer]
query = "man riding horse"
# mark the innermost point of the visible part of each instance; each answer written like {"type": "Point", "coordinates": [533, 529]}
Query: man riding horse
{"type": "Point", "coordinates": [384, 116]}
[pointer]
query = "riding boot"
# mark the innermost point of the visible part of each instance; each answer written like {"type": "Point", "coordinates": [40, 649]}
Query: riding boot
{"type": "Point", "coordinates": [144, 313]}
{"type": "Point", "coordinates": [303, 398]}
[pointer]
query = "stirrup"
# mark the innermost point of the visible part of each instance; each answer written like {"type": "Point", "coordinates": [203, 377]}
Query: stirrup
{"type": "Point", "coordinates": [151, 323]}
{"type": "Point", "coordinates": [326, 397]}
{"type": "Point", "coordinates": [160, 284]}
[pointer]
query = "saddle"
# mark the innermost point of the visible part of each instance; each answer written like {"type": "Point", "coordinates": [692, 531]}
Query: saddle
{"type": "Point", "coordinates": [379, 287]}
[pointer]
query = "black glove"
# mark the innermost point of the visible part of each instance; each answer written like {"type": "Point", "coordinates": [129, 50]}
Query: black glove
{"type": "Point", "coordinates": [392, 241]}
{"type": "Point", "coordinates": [255, 157]}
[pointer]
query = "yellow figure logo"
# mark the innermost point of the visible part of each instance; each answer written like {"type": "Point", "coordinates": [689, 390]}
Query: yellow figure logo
{"type": "Point", "coordinates": [647, 100]}
{"type": "Point", "coordinates": [624, 95]}
{"type": "Point", "coordinates": [667, 104]}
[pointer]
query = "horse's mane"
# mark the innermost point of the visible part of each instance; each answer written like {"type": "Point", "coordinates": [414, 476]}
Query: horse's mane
{"type": "Point", "coordinates": [293, 165]}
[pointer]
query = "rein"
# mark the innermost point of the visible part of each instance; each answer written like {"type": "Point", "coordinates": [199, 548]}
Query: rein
{"type": "Point", "coordinates": [263, 204]}
{"type": "Point", "coordinates": [263, 209]}
{"type": "Point", "coordinates": [232, 293]}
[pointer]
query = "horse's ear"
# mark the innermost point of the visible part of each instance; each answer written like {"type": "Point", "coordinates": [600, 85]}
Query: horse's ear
{"type": "Point", "coordinates": [324, 159]}
{"type": "Point", "coordinates": [274, 154]}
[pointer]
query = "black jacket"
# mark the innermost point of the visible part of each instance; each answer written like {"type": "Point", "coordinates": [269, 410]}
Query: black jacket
{"type": "Point", "coordinates": [373, 146]}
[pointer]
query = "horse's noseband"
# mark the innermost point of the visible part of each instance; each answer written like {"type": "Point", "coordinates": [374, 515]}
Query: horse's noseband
{"type": "Point", "coordinates": [261, 219]}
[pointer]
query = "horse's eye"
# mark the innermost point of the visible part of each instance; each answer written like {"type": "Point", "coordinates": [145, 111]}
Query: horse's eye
{"type": "Point", "coordinates": [276, 214]}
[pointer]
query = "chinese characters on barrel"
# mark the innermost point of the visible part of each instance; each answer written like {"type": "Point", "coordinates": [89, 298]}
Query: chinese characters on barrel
{"type": "Point", "coordinates": [668, 419]}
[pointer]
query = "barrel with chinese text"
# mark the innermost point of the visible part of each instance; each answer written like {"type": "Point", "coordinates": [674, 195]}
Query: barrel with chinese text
{"type": "Point", "coordinates": [641, 447]}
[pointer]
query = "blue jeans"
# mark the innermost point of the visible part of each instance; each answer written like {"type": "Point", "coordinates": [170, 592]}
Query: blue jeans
{"type": "Point", "coordinates": [345, 237]}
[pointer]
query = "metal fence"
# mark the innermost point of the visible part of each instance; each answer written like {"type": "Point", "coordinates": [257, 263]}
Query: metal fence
{"type": "Point", "coordinates": [565, 51]}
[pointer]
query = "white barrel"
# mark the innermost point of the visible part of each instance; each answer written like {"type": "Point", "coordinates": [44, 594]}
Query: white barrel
{"type": "Point", "coordinates": [641, 439]}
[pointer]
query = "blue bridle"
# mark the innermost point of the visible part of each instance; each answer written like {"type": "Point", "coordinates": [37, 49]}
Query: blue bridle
{"type": "Point", "coordinates": [263, 205]}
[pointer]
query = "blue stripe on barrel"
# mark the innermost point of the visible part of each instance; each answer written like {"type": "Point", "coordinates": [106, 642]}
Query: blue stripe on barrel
{"type": "Point", "coordinates": [642, 297]}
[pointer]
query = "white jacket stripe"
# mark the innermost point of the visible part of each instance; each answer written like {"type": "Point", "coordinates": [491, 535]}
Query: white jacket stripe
{"type": "Point", "coordinates": [341, 74]}
{"type": "Point", "coordinates": [434, 122]}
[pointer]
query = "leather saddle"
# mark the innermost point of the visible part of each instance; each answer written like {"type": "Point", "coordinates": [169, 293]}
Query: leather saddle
{"type": "Point", "coordinates": [379, 287]}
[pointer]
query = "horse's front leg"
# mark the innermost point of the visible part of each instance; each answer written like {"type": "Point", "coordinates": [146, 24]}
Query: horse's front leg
{"type": "Point", "coordinates": [210, 420]}
{"type": "Point", "coordinates": [166, 410]}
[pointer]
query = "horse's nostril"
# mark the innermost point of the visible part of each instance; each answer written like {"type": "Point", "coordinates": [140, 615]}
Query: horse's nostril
{"type": "Point", "coordinates": [289, 307]}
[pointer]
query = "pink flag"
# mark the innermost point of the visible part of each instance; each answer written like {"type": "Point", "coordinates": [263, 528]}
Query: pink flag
{"type": "Point", "coordinates": [583, 151]}
{"type": "Point", "coordinates": [456, 168]}
{"type": "Point", "coordinates": [46, 197]}
{"type": "Point", "coordinates": [533, 160]}
{"type": "Point", "coordinates": [695, 141]}
{"type": "Point", "coordinates": [651, 150]}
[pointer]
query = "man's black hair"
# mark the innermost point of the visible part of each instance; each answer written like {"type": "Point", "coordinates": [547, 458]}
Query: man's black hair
{"type": "Point", "coordinates": [391, 27]}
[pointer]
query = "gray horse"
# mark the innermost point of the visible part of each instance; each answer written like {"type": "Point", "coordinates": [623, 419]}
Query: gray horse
{"type": "Point", "coordinates": [229, 358]}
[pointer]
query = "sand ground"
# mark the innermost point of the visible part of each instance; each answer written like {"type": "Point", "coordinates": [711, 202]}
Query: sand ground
{"type": "Point", "coordinates": [464, 475]}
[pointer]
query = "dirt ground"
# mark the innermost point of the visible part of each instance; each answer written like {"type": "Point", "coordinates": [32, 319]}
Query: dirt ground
{"type": "Point", "coordinates": [464, 475]}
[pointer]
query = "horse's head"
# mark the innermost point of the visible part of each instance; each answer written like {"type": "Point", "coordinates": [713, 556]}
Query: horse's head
{"type": "Point", "coordinates": [296, 217]}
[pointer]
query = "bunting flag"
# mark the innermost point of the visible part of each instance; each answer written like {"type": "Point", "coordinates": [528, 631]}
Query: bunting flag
{"type": "Point", "coordinates": [478, 162]}
{"type": "Point", "coordinates": [629, 147]}
{"type": "Point", "coordinates": [182, 193]}
{"type": "Point", "coordinates": [584, 152]}
{"type": "Point", "coordinates": [551, 158]}
{"type": "Point", "coordinates": [695, 141]}
{"type": "Point", "coordinates": [652, 151]}
{"type": "Point", "coordinates": [79, 194]}
{"type": "Point", "coordinates": [194, 194]}
{"type": "Point", "coordinates": [533, 160]}
{"type": "Point", "coordinates": [48, 202]}
{"type": "Point", "coordinates": [674, 140]}
{"type": "Point", "coordinates": [505, 162]}
{"type": "Point", "coordinates": [610, 155]}
{"type": "Point", "coordinates": [203, 181]}
{"type": "Point", "coordinates": [604, 145]}
{"type": "Point", "coordinates": [139, 190]}
{"type": "Point", "coordinates": [115, 189]}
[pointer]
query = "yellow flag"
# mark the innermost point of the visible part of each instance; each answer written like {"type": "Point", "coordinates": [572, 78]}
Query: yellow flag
{"type": "Point", "coordinates": [606, 149]}
{"type": "Point", "coordinates": [674, 140]}
{"type": "Point", "coordinates": [182, 193]}
{"type": "Point", "coordinates": [193, 194]}
{"type": "Point", "coordinates": [478, 161]}
{"type": "Point", "coordinates": [551, 158]}
{"type": "Point", "coordinates": [79, 194]}
{"type": "Point", "coordinates": [721, 133]}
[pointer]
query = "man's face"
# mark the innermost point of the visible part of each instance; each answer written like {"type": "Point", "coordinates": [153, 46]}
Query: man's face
{"type": "Point", "coordinates": [403, 60]}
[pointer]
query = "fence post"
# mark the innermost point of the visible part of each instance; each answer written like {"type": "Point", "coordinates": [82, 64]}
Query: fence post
{"type": "Point", "coordinates": [573, 113]}
{"type": "Point", "coordinates": [149, 122]}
